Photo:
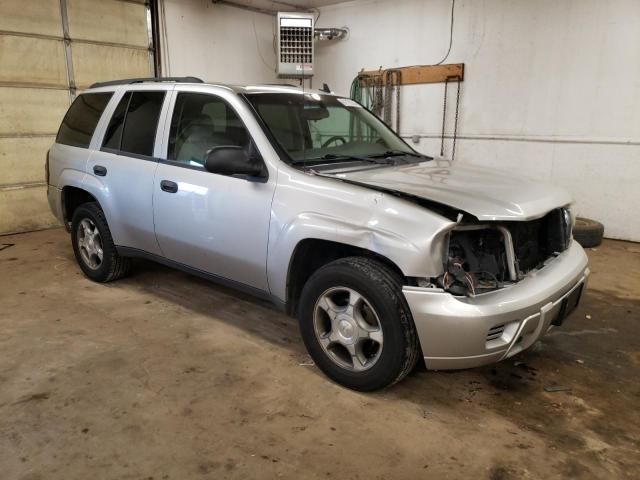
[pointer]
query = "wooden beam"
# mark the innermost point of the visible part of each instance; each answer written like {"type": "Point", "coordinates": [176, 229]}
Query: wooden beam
{"type": "Point", "coordinates": [421, 74]}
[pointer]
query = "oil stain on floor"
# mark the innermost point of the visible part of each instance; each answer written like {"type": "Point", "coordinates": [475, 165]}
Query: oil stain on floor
{"type": "Point", "coordinates": [166, 376]}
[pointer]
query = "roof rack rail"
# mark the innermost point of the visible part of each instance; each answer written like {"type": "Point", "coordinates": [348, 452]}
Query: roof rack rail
{"type": "Point", "coordinates": [282, 85]}
{"type": "Point", "coordinates": [129, 81]}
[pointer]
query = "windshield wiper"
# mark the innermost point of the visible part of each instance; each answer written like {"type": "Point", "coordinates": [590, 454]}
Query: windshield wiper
{"type": "Point", "coordinates": [399, 153]}
{"type": "Point", "coordinates": [331, 156]}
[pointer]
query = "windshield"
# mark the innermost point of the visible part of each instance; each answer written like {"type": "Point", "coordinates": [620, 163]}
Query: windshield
{"type": "Point", "coordinates": [322, 127]}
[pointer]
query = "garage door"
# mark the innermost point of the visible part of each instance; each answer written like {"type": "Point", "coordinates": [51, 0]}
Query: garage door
{"type": "Point", "coordinates": [50, 49]}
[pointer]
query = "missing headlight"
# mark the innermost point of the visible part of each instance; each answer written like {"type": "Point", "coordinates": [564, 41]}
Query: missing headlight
{"type": "Point", "coordinates": [477, 261]}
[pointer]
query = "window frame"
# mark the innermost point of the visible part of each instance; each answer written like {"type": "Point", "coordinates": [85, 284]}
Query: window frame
{"type": "Point", "coordinates": [159, 127]}
{"type": "Point", "coordinates": [172, 100]}
{"type": "Point", "coordinates": [96, 128]}
{"type": "Point", "coordinates": [284, 155]}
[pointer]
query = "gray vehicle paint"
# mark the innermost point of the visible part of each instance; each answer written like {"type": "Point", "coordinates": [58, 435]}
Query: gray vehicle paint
{"type": "Point", "coordinates": [247, 231]}
{"type": "Point", "coordinates": [487, 194]}
{"type": "Point", "coordinates": [216, 223]}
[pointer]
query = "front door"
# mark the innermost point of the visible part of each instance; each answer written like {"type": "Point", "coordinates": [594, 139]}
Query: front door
{"type": "Point", "coordinates": [214, 223]}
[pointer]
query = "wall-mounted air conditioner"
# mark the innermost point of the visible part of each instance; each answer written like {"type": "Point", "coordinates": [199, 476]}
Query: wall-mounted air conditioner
{"type": "Point", "coordinates": [295, 44]}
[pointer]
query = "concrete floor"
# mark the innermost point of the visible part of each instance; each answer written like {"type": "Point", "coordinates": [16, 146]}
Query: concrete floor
{"type": "Point", "coordinates": [166, 376]}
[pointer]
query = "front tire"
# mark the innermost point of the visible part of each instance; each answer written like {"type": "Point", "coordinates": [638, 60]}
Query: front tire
{"type": "Point", "coordinates": [356, 324]}
{"type": "Point", "coordinates": [93, 246]}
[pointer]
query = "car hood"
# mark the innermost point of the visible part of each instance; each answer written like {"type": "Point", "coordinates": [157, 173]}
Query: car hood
{"type": "Point", "coordinates": [485, 193]}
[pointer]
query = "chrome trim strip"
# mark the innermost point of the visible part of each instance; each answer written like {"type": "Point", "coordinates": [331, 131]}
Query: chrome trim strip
{"type": "Point", "coordinates": [508, 244]}
{"type": "Point", "coordinates": [511, 255]}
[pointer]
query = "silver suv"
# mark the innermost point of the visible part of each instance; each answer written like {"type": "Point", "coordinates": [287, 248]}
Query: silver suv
{"type": "Point", "coordinates": [308, 199]}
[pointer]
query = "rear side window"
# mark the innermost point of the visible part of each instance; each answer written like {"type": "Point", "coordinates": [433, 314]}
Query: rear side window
{"type": "Point", "coordinates": [81, 119]}
{"type": "Point", "coordinates": [113, 135]}
{"type": "Point", "coordinates": [134, 123]}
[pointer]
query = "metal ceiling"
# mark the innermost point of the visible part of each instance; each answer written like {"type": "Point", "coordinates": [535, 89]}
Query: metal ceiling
{"type": "Point", "coordinates": [282, 5]}
{"type": "Point", "coordinates": [314, 3]}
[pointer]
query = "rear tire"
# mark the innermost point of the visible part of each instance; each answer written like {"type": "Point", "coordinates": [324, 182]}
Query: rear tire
{"type": "Point", "coordinates": [93, 246]}
{"type": "Point", "coordinates": [358, 294]}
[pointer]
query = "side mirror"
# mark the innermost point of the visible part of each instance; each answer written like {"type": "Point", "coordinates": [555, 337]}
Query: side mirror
{"type": "Point", "coordinates": [232, 160]}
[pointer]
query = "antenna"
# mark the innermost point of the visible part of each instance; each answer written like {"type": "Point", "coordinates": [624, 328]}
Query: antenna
{"type": "Point", "coordinates": [304, 139]}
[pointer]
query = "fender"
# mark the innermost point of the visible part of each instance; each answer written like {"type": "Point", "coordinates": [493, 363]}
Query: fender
{"type": "Point", "coordinates": [407, 234]}
{"type": "Point", "coordinates": [67, 177]}
{"type": "Point", "coordinates": [70, 177]}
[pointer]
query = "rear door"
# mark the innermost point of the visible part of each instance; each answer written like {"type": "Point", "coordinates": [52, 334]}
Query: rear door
{"type": "Point", "coordinates": [123, 167]}
{"type": "Point", "coordinates": [67, 158]}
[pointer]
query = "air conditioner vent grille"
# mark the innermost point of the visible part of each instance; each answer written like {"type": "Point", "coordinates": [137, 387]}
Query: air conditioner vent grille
{"type": "Point", "coordinates": [295, 44]}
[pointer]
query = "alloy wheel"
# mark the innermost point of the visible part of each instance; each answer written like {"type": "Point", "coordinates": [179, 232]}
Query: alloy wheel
{"type": "Point", "coordinates": [348, 329]}
{"type": "Point", "coordinates": [90, 244]}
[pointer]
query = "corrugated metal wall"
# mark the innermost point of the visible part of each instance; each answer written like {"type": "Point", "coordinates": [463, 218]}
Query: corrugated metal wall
{"type": "Point", "coordinates": [49, 49]}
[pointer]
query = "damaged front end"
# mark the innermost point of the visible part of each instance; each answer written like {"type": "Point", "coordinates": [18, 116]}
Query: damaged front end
{"type": "Point", "coordinates": [486, 256]}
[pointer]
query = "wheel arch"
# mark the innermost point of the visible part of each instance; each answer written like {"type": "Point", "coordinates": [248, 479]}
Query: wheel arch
{"type": "Point", "coordinates": [310, 254]}
{"type": "Point", "coordinates": [72, 198]}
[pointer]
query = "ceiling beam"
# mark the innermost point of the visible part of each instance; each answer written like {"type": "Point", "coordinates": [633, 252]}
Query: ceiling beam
{"type": "Point", "coordinates": [266, 7]}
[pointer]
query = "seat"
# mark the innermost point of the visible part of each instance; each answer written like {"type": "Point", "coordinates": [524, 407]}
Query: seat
{"type": "Point", "coordinates": [197, 139]}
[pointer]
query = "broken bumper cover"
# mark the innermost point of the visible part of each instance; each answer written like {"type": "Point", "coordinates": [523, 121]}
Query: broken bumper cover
{"type": "Point", "coordinates": [463, 332]}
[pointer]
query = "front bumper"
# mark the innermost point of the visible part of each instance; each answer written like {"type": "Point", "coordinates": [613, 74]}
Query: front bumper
{"type": "Point", "coordinates": [462, 332]}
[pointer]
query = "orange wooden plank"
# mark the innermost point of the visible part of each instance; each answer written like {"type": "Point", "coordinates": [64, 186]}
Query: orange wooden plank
{"type": "Point", "coordinates": [423, 73]}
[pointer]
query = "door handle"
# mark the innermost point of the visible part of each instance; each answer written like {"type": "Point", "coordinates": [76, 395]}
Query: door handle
{"type": "Point", "coordinates": [169, 186]}
{"type": "Point", "coordinates": [99, 170]}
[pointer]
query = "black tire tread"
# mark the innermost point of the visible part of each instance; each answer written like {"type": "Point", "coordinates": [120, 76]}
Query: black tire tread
{"type": "Point", "coordinates": [588, 233]}
{"type": "Point", "coordinates": [119, 266]}
{"type": "Point", "coordinates": [380, 273]}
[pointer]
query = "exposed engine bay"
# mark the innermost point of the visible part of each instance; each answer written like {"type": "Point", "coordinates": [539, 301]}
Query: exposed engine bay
{"type": "Point", "coordinates": [477, 261]}
{"type": "Point", "coordinates": [486, 256]}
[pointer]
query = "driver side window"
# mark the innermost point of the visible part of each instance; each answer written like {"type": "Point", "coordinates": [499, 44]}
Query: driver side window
{"type": "Point", "coordinates": [200, 122]}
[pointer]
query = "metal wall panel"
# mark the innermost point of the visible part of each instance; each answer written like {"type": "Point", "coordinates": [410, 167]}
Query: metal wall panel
{"type": "Point", "coordinates": [47, 49]}
{"type": "Point", "coordinates": [108, 21]}
{"type": "Point", "coordinates": [26, 111]}
{"type": "Point", "coordinates": [22, 159]}
{"type": "Point", "coordinates": [41, 17]}
{"type": "Point", "coordinates": [92, 63]}
{"type": "Point", "coordinates": [32, 61]}
{"type": "Point", "coordinates": [24, 209]}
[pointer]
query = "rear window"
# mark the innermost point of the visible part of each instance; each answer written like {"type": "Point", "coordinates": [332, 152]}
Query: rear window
{"type": "Point", "coordinates": [133, 126]}
{"type": "Point", "coordinates": [81, 119]}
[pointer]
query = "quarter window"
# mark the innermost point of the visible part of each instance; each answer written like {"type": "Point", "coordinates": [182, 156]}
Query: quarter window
{"type": "Point", "coordinates": [134, 123]}
{"type": "Point", "coordinates": [201, 122]}
{"type": "Point", "coordinates": [81, 119]}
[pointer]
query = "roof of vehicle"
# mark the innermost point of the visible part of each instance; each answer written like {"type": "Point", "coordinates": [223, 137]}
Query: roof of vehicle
{"type": "Point", "coordinates": [261, 88]}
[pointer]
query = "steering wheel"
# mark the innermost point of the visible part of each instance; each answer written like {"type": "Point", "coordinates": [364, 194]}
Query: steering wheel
{"type": "Point", "coordinates": [335, 138]}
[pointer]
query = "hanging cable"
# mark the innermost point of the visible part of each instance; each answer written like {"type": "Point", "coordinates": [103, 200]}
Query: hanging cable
{"type": "Point", "coordinates": [392, 82]}
{"type": "Point", "coordinates": [453, 4]}
{"type": "Point", "coordinates": [444, 116]}
{"type": "Point", "coordinates": [455, 123]}
{"type": "Point", "coordinates": [446, 56]}
{"type": "Point", "coordinates": [255, 34]}
{"type": "Point", "coordinates": [318, 17]}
